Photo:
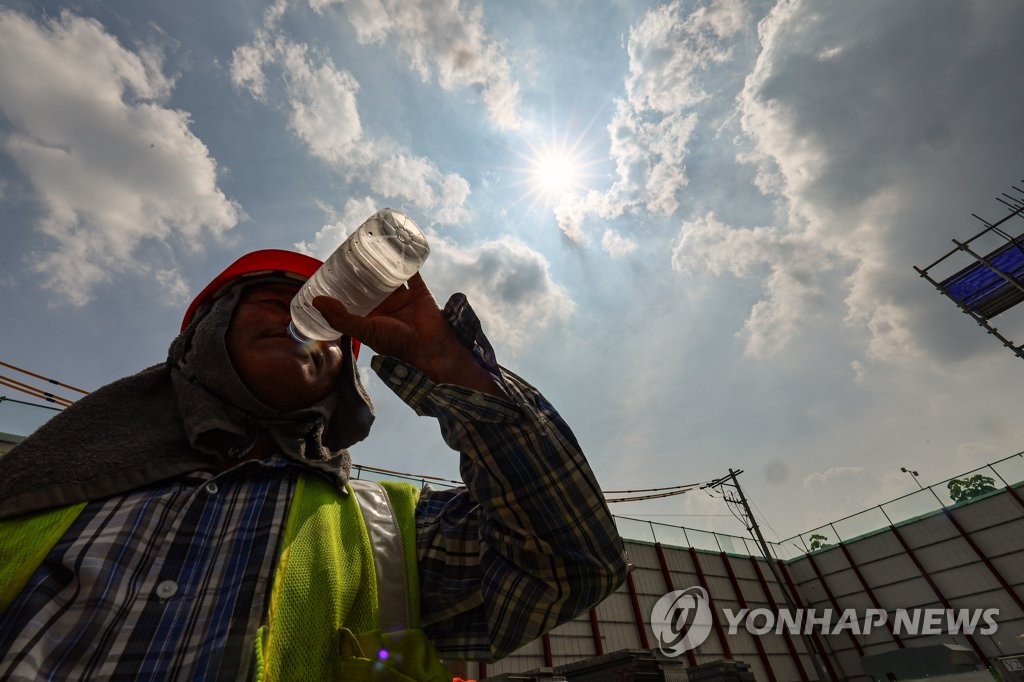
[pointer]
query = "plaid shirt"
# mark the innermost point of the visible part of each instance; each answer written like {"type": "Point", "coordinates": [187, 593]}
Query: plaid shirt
{"type": "Point", "coordinates": [171, 581]}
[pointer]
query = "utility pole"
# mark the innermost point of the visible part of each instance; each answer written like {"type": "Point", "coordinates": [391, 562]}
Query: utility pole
{"type": "Point", "coordinates": [756, 530]}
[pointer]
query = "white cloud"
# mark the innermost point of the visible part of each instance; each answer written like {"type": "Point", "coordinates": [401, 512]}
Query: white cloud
{"type": "Point", "coordinates": [725, 17]}
{"type": "Point", "coordinates": [321, 98]}
{"type": "Point", "coordinates": [112, 166]}
{"type": "Point", "coordinates": [833, 474]}
{"type": "Point", "coordinates": [792, 267]}
{"type": "Point", "coordinates": [330, 236]}
{"type": "Point", "coordinates": [323, 103]}
{"type": "Point", "coordinates": [617, 245]}
{"type": "Point", "coordinates": [666, 143]}
{"type": "Point", "coordinates": [176, 291]}
{"type": "Point", "coordinates": [272, 15]}
{"type": "Point", "coordinates": [573, 209]}
{"type": "Point", "coordinates": [860, 135]}
{"type": "Point", "coordinates": [415, 179]}
{"type": "Point", "coordinates": [324, 115]}
{"type": "Point", "coordinates": [247, 67]}
{"type": "Point", "coordinates": [859, 373]}
{"type": "Point", "coordinates": [829, 53]}
{"type": "Point", "coordinates": [447, 39]}
{"type": "Point", "coordinates": [890, 339]}
{"type": "Point", "coordinates": [508, 283]}
{"type": "Point", "coordinates": [670, 53]}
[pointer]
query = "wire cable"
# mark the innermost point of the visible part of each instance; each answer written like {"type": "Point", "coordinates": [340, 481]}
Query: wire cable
{"type": "Point", "coordinates": [778, 535]}
{"type": "Point", "coordinates": [378, 470]}
{"type": "Point", "coordinates": [50, 398]}
{"type": "Point", "coordinates": [687, 515]}
{"type": "Point", "coordinates": [673, 490]}
{"type": "Point", "coordinates": [731, 504]}
{"type": "Point", "coordinates": [46, 379]}
{"type": "Point", "coordinates": [4, 399]}
{"type": "Point", "coordinates": [32, 392]}
{"type": "Point", "coordinates": [653, 490]}
{"type": "Point", "coordinates": [638, 498]}
{"type": "Point", "coordinates": [14, 383]}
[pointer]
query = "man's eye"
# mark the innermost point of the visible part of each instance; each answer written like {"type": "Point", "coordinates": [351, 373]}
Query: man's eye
{"type": "Point", "coordinates": [277, 302]}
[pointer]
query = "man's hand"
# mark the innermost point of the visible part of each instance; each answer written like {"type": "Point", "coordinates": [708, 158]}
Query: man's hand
{"type": "Point", "coordinates": [410, 326]}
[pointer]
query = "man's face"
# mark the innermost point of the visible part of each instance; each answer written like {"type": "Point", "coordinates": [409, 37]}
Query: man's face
{"type": "Point", "coordinates": [281, 373]}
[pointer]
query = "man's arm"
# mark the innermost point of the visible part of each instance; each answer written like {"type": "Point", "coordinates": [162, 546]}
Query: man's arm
{"type": "Point", "coordinates": [530, 543]}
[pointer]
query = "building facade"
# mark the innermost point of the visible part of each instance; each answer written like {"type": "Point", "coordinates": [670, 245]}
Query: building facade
{"type": "Point", "coordinates": [965, 556]}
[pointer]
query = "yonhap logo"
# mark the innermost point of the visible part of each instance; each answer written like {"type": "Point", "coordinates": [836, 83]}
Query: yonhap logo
{"type": "Point", "coordinates": [681, 620]}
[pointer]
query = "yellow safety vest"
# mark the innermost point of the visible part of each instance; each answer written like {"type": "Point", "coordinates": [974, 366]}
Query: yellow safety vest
{"type": "Point", "coordinates": [344, 603]}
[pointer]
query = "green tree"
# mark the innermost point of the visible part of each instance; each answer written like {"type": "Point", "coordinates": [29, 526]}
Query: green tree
{"type": "Point", "coordinates": [963, 489]}
{"type": "Point", "coordinates": [818, 542]}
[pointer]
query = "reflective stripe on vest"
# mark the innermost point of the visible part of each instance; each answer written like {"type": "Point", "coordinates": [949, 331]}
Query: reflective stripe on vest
{"type": "Point", "coordinates": [388, 555]}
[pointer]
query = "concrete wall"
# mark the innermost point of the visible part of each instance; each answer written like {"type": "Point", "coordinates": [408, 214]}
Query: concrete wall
{"type": "Point", "coordinates": [8, 441]}
{"type": "Point", "coordinates": [923, 563]}
{"type": "Point", "coordinates": [927, 563]}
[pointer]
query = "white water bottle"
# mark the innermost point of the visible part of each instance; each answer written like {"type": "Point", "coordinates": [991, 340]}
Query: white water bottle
{"type": "Point", "coordinates": [374, 261]}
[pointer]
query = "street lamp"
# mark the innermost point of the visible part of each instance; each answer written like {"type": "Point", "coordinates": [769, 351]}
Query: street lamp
{"type": "Point", "coordinates": [914, 475]}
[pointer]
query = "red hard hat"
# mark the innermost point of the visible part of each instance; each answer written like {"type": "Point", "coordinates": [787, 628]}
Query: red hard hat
{"type": "Point", "coordinates": [255, 264]}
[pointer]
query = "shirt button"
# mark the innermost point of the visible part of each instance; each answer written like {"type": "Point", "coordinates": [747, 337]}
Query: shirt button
{"type": "Point", "coordinates": [401, 371]}
{"type": "Point", "coordinates": [167, 589]}
{"type": "Point", "coordinates": [211, 488]}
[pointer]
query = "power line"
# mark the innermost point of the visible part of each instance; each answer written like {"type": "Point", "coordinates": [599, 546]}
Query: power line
{"type": "Point", "coordinates": [694, 515]}
{"type": "Point", "coordinates": [778, 535]}
{"type": "Point", "coordinates": [34, 392]}
{"type": "Point", "coordinates": [4, 398]}
{"type": "Point", "coordinates": [30, 387]}
{"type": "Point", "coordinates": [646, 497]}
{"type": "Point", "coordinates": [673, 490]}
{"type": "Point", "coordinates": [390, 472]}
{"type": "Point", "coordinates": [40, 376]}
{"type": "Point", "coordinates": [653, 490]}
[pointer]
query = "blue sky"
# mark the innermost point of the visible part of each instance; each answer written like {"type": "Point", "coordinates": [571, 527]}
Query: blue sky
{"type": "Point", "coordinates": [692, 225]}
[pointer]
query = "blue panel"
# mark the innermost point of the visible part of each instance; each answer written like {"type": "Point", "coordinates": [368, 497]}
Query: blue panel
{"type": "Point", "coordinates": [981, 289]}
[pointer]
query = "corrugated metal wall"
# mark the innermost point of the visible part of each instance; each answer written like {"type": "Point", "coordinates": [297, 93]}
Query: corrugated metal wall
{"type": "Point", "coordinates": [967, 557]}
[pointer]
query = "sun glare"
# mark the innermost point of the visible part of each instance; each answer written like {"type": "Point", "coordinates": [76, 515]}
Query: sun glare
{"type": "Point", "coordinates": [554, 174]}
{"type": "Point", "coordinates": [553, 168]}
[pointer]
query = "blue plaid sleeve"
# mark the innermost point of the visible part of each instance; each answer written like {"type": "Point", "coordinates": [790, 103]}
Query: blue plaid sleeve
{"type": "Point", "coordinates": [529, 542]}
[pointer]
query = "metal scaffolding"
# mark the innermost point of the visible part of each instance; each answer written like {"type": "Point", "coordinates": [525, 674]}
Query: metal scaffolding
{"type": "Point", "coordinates": [991, 283]}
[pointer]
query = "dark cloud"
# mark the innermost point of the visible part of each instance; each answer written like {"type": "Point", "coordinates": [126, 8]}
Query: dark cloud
{"type": "Point", "coordinates": [884, 126]}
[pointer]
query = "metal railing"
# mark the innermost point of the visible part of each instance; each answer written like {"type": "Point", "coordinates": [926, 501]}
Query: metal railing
{"type": "Point", "coordinates": [946, 494]}
{"type": "Point", "coordinates": [971, 485]}
{"type": "Point", "coordinates": [949, 493]}
{"type": "Point", "coordinates": [678, 536]}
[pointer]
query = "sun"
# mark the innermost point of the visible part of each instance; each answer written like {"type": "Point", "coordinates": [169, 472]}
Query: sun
{"type": "Point", "coordinates": [552, 169]}
{"type": "Point", "coordinates": [554, 174]}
